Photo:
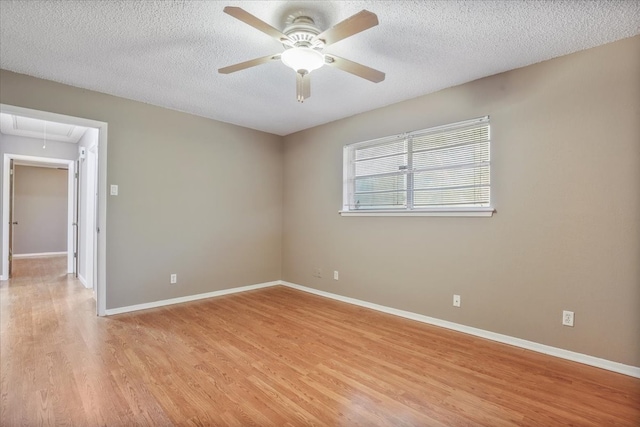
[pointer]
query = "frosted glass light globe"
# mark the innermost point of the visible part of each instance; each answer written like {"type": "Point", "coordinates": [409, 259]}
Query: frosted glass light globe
{"type": "Point", "coordinates": [302, 59]}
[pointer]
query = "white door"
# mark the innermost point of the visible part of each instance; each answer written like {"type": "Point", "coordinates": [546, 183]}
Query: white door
{"type": "Point", "coordinates": [11, 221]}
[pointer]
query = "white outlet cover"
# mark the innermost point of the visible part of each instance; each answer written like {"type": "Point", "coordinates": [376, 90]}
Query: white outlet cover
{"type": "Point", "coordinates": [456, 300]}
{"type": "Point", "coordinates": [567, 318]}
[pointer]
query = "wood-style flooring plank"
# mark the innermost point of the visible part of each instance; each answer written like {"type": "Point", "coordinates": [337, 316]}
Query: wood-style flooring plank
{"type": "Point", "coordinates": [273, 357]}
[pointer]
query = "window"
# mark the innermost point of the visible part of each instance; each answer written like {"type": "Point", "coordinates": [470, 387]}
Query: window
{"type": "Point", "coordinates": [443, 170]}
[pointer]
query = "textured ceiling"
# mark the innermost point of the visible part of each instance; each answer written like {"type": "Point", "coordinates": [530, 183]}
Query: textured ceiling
{"type": "Point", "coordinates": [167, 53]}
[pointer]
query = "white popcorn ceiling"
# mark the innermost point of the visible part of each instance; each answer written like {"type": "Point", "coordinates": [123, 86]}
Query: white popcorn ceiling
{"type": "Point", "coordinates": [167, 53]}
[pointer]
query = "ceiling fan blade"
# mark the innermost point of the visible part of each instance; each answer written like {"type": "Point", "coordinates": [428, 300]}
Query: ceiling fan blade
{"type": "Point", "coordinates": [257, 23]}
{"type": "Point", "coordinates": [361, 21]}
{"type": "Point", "coordinates": [354, 68]}
{"type": "Point", "coordinates": [303, 86]}
{"type": "Point", "coordinates": [248, 64]}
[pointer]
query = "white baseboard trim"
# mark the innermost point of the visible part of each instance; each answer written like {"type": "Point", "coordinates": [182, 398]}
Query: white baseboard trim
{"type": "Point", "coordinates": [631, 371]}
{"type": "Point", "coordinates": [609, 365]}
{"type": "Point", "coordinates": [162, 303]}
{"type": "Point", "coordinates": [38, 255]}
{"type": "Point", "coordinates": [83, 281]}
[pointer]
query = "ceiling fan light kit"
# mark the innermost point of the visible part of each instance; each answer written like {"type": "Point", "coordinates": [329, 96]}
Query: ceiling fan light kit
{"type": "Point", "coordinates": [304, 44]}
{"type": "Point", "coordinates": [302, 60]}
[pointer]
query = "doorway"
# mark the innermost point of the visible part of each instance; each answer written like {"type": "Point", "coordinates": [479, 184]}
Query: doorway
{"type": "Point", "coordinates": [96, 154]}
{"type": "Point", "coordinates": [32, 216]}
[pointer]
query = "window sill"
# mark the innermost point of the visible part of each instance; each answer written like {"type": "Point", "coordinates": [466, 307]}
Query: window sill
{"type": "Point", "coordinates": [477, 212]}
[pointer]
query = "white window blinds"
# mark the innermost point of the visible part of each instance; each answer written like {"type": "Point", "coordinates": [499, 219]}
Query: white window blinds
{"type": "Point", "coordinates": [442, 167]}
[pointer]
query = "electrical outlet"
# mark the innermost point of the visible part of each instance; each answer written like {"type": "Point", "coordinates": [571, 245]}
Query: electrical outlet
{"type": "Point", "coordinates": [456, 300]}
{"type": "Point", "coordinates": [174, 279]}
{"type": "Point", "coordinates": [567, 318]}
{"type": "Point", "coordinates": [335, 275]}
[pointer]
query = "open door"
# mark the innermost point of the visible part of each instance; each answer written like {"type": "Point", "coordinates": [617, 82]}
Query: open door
{"type": "Point", "coordinates": [11, 221]}
{"type": "Point", "coordinates": [76, 219]}
{"type": "Point", "coordinates": [91, 195]}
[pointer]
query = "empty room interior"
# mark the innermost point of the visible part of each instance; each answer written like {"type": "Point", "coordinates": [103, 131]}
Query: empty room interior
{"type": "Point", "coordinates": [406, 213]}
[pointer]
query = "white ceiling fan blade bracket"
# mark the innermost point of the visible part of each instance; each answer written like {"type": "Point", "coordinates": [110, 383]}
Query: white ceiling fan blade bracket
{"type": "Point", "coordinates": [287, 43]}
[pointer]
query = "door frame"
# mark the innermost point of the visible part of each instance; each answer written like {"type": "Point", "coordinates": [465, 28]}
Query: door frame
{"type": "Point", "coordinates": [25, 160]}
{"type": "Point", "coordinates": [87, 248]}
{"type": "Point", "coordinates": [101, 213]}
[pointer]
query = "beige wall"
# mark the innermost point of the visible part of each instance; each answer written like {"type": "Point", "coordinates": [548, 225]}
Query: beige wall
{"type": "Point", "coordinates": [41, 210]}
{"type": "Point", "coordinates": [566, 186]}
{"type": "Point", "coordinates": [199, 198]}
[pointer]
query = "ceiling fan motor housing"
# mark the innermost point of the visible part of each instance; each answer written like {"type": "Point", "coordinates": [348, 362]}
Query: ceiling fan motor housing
{"type": "Point", "coordinates": [302, 31]}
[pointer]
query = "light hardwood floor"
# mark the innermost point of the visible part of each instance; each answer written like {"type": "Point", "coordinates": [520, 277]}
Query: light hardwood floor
{"type": "Point", "coordinates": [275, 356]}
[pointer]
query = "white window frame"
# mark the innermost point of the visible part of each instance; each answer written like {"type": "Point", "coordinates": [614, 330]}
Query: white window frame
{"type": "Point", "coordinates": [349, 183]}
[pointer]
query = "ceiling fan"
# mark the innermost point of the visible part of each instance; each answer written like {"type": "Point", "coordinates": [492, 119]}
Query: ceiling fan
{"type": "Point", "coordinates": [304, 44]}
